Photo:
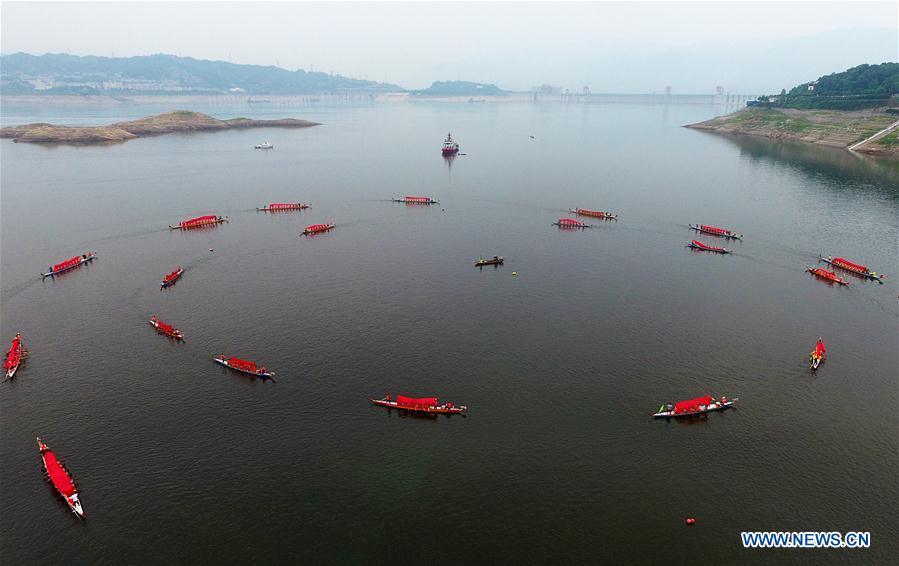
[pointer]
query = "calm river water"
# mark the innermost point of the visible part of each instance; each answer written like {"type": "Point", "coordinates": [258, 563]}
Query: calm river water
{"type": "Point", "coordinates": [558, 460]}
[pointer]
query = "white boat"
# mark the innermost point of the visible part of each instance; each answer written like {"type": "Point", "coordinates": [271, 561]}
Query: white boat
{"type": "Point", "coordinates": [264, 145]}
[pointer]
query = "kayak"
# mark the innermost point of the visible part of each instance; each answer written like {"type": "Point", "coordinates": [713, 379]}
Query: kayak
{"type": "Point", "coordinates": [697, 245]}
{"type": "Point", "coordinates": [244, 366]}
{"type": "Point", "coordinates": [60, 478]}
{"type": "Point", "coordinates": [827, 275]}
{"type": "Point", "coordinates": [421, 405]}
{"type": "Point", "coordinates": [70, 263]}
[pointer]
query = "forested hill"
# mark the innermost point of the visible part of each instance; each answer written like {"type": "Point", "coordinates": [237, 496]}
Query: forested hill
{"type": "Point", "coordinates": [864, 86]}
{"type": "Point", "coordinates": [21, 73]}
{"type": "Point", "coordinates": [864, 79]}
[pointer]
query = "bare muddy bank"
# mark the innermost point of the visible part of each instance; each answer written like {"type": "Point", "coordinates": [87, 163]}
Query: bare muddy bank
{"type": "Point", "coordinates": [170, 122]}
{"type": "Point", "coordinates": [823, 127]}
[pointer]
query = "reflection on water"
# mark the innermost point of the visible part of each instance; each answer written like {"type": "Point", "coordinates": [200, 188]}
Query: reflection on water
{"type": "Point", "coordinates": [838, 164]}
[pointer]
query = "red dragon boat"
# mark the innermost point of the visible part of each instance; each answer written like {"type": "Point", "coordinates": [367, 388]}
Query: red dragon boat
{"type": "Point", "coordinates": [827, 275]}
{"type": "Point", "coordinates": [570, 223]}
{"type": "Point", "coordinates": [172, 277]}
{"type": "Point", "coordinates": [279, 206]}
{"type": "Point", "coordinates": [14, 357]}
{"type": "Point", "coordinates": [200, 222]}
{"type": "Point", "coordinates": [450, 147]}
{"type": "Point", "coordinates": [714, 230]}
{"type": "Point", "coordinates": [166, 329]}
{"type": "Point", "coordinates": [852, 267]}
{"type": "Point", "coordinates": [419, 405]}
{"type": "Point", "coordinates": [316, 229]}
{"type": "Point", "coordinates": [818, 355]}
{"type": "Point", "coordinates": [416, 200]}
{"type": "Point", "coordinates": [593, 213]}
{"type": "Point", "coordinates": [70, 263]}
{"type": "Point", "coordinates": [61, 479]}
{"type": "Point", "coordinates": [244, 366]}
{"type": "Point", "coordinates": [696, 406]}
{"type": "Point", "coordinates": [697, 245]}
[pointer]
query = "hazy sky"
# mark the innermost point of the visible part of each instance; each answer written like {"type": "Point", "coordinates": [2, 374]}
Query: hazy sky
{"type": "Point", "coordinates": [611, 46]}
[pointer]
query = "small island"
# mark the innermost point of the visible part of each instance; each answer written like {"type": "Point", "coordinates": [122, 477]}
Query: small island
{"type": "Point", "coordinates": [170, 122]}
{"type": "Point", "coordinates": [857, 109]}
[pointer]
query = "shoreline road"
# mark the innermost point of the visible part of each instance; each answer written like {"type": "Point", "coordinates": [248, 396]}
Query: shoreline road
{"type": "Point", "coordinates": [879, 134]}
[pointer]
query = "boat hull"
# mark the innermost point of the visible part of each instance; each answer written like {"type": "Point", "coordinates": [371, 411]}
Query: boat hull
{"type": "Point", "coordinates": [862, 274]}
{"type": "Point", "coordinates": [265, 375]}
{"type": "Point", "coordinates": [828, 278]}
{"type": "Point", "coordinates": [708, 249]}
{"type": "Point", "coordinates": [439, 410]}
{"type": "Point", "coordinates": [594, 214]}
{"type": "Point", "coordinates": [729, 235]}
{"type": "Point", "coordinates": [176, 334]}
{"type": "Point", "coordinates": [322, 230]}
{"type": "Point", "coordinates": [283, 209]}
{"type": "Point", "coordinates": [84, 260]}
{"type": "Point", "coordinates": [73, 502]}
{"type": "Point", "coordinates": [498, 261]}
{"type": "Point", "coordinates": [203, 225]}
{"type": "Point", "coordinates": [716, 407]}
{"type": "Point", "coordinates": [168, 282]}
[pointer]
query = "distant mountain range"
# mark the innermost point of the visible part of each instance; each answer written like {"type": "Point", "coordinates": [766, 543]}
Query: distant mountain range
{"type": "Point", "coordinates": [21, 73]}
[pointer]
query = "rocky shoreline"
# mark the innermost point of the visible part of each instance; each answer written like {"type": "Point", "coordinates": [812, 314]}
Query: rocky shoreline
{"type": "Point", "coordinates": [834, 128]}
{"type": "Point", "coordinates": [170, 122]}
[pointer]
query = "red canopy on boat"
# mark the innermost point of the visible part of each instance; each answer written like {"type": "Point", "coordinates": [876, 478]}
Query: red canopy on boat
{"type": "Point", "coordinates": [67, 263]}
{"type": "Point", "coordinates": [418, 199]}
{"type": "Point", "coordinates": [14, 350]}
{"type": "Point", "coordinates": [819, 348]}
{"type": "Point", "coordinates": [317, 227]}
{"type": "Point", "coordinates": [691, 405]}
{"type": "Point", "coordinates": [242, 364]}
{"type": "Point", "coordinates": [569, 221]}
{"type": "Point", "coordinates": [58, 475]}
{"type": "Point", "coordinates": [846, 263]}
{"type": "Point", "coordinates": [165, 327]}
{"type": "Point", "coordinates": [200, 220]}
{"type": "Point", "coordinates": [416, 402]}
{"type": "Point", "coordinates": [714, 229]}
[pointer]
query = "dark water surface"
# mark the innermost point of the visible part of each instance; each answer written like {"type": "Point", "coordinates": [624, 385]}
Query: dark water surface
{"type": "Point", "coordinates": [558, 461]}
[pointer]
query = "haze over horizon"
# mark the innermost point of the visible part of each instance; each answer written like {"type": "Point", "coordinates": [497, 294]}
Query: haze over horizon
{"type": "Point", "coordinates": [693, 47]}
